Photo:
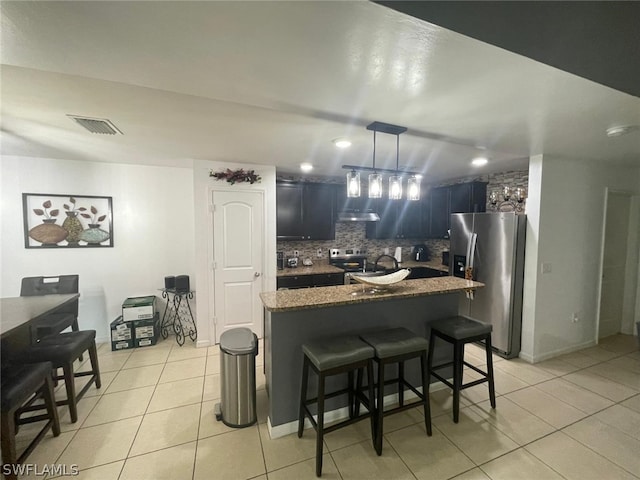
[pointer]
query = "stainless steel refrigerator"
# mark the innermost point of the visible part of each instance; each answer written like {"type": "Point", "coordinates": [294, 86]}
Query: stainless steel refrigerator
{"type": "Point", "coordinates": [492, 246]}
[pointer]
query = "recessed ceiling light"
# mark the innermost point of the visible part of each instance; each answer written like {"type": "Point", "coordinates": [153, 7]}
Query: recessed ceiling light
{"type": "Point", "coordinates": [342, 142]}
{"type": "Point", "coordinates": [479, 161]}
{"type": "Point", "coordinates": [306, 167]}
{"type": "Point", "coordinates": [620, 130]}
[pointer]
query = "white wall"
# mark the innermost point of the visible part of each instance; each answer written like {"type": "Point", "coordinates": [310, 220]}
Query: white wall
{"type": "Point", "coordinates": [565, 212]}
{"type": "Point", "coordinates": [153, 231]}
{"type": "Point", "coordinates": [203, 186]}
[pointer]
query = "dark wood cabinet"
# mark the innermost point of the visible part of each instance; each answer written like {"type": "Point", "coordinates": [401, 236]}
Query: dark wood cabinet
{"type": "Point", "coordinates": [426, 272]}
{"type": "Point", "coordinates": [361, 204]}
{"type": "Point", "coordinates": [289, 224]}
{"type": "Point", "coordinates": [319, 211]}
{"type": "Point", "coordinates": [327, 279]}
{"type": "Point", "coordinates": [293, 281]}
{"type": "Point", "coordinates": [305, 211]}
{"type": "Point", "coordinates": [439, 210]}
{"type": "Point", "coordinates": [411, 225]}
{"type": "Point", "coordinates": [468, 197]}
{"type": "Point", "coordinates": [428, 217]}
{"type": "Point", "coordinates": [398, 219]}
{"type": "Point", "coordinates": [307, 281]}
{"type": "Point", "coordinates": [459, 198]}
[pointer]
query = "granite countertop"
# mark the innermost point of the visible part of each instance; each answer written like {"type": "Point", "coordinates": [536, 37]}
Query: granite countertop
{"type": "Point", "coordinates": [321, 297]}
{"type": "Point", "coordinates": [323, 266]}
{"type": "Point", "coordinates": [320, 267]}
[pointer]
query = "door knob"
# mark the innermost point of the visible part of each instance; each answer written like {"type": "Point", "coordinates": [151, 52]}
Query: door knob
{"type": "Point", "coordinates": [257, 274]}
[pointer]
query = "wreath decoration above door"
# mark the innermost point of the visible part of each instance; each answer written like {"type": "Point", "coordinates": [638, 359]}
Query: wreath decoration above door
{"type": "Point", "coordinates": [236, 176]}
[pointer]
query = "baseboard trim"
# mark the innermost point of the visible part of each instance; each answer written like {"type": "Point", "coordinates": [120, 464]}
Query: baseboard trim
{"type": "Point", "coordinates": [341, 413]}
{"type": "Point", "coordinates": [555, 353]}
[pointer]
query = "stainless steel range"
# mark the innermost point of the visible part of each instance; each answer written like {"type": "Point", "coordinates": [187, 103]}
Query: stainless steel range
{"type": "Point", "coordinates": [354, 263]}
{"type": "Point", "coordinates": [349, 259]}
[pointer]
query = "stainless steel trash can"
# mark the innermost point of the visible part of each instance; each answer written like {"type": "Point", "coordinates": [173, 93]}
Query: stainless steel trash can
{"type": "Point", "coordinates": [238, 350]}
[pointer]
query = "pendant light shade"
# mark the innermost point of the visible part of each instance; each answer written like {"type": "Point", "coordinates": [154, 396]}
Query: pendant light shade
{"type": "Point", "coordinates": [395, 187]}
{"type": "Point", "coordinates": [353, 184]}
{"type": "Point", "coordinates": [413, 188]}
{"type": "Point", "coordinates": [375, 185]}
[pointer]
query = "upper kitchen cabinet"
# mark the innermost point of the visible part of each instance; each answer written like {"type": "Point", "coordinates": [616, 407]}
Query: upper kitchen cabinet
{"type": "Point", "coordinates": [459, 198]}
{"type": "Point", "coordinates": [305, 211]}
{"type": "Point", "coordinates": [439, 213]}
{"type": "Point", "coordinates": [468, 197]}
{"type": "Point", "coordinates": [398, 219]}
{"type": "Point", "coordinates": [359, 204]}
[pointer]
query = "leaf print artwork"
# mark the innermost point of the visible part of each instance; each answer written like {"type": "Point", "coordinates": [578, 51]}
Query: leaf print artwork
{"type": "Point", "coordinates": [86, 221]}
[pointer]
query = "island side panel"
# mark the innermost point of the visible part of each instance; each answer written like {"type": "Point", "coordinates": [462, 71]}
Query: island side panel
{"type": "Point", "coordinates": [285, 332]}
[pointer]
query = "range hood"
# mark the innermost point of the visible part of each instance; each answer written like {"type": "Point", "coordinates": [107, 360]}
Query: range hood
{"type": "Point", "coordinates": [358, 216]}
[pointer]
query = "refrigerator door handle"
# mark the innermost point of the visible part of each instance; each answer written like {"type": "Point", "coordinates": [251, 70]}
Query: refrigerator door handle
{"type": "Point", "coordinates": [466, 263]}
{"type": "Point", "coordinates": [470, 261]}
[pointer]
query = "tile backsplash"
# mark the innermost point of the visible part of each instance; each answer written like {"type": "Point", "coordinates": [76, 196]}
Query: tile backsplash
{"type": "Point", "coordinates": [353, 234]}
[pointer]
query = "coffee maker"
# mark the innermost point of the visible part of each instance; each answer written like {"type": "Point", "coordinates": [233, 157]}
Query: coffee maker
{"type": "Point", "coordinates": [420, 253]}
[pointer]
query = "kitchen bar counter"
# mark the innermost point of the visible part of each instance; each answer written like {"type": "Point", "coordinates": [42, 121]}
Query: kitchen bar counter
{"type": "Point", "coordinates": [291, 300]}
{"type": "Point", "coordinates": [294, 317]}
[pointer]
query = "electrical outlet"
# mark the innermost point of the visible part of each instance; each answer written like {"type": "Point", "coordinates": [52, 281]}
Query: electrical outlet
{"type": "Point", "coordinates": [319, 253]}
{"type": "Point", "coordinates": [574, 317]}
{"type": "Point", "coordinates": [386, 250]}
{"type": "Point", "coordinates": [296, 253]}
{"type": "Point", "coordinates": [546, 267]}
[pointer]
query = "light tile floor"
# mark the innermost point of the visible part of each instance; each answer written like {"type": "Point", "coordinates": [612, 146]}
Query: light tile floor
{"type": "Point", "coordinates": [575, 417]}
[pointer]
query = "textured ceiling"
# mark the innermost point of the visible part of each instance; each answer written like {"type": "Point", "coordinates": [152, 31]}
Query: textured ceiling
{"type": "Point", "coordinates": [274, 82]}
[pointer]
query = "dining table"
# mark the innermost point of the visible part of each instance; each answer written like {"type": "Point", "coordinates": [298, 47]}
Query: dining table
{"type": "Point", "coordinates": [17, 313]}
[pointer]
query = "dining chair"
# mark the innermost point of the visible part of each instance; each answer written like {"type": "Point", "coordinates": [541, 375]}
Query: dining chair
{"type": "Point", "coordinates": [62, 319]}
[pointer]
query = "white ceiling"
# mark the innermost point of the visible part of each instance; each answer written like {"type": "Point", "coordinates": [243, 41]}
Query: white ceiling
{"type": "Point", "coordinates": [274, 82]}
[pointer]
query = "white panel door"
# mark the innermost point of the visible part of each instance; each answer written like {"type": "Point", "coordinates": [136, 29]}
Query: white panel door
{"type": "Point", "coordinates": [238, 260]}
{"type": "Point", "coordinates": [613, 264]}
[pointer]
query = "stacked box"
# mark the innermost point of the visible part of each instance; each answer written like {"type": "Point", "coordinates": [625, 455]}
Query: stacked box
{"type": "Point", "coordinates": [145, 331]}
{"type": "Point", "coordinates": [121, 334]}
{"type": "Point", "coordinates": [139, 308]}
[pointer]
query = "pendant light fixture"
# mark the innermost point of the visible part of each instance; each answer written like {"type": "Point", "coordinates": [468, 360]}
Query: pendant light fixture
{"type": "Point", "coordinates": [375, 178]}
{"type": "Point", "coordinates": [413, 188]}
{"type": "Point", "coordinates": [395, 181]}
{"type": "Point", "coordinates": [353, 184]}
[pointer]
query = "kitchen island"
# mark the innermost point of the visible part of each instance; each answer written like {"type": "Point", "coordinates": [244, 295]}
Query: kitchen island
{"type": "Point", "coordinates": [293, 317]}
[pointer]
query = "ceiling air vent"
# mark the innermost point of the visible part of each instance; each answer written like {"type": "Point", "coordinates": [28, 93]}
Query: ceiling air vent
{"type": "Point", "coordinates": [97, 125]}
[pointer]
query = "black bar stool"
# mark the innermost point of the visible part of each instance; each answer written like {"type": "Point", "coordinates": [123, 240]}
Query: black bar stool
{"type": "Point", "coordinates": [459, 331]}
{"type": "Point", "coordinates": [20, 383]}
{"type": "Point", "coordinates": [329, 357]}
{"type": "Point", "coordinates": [397, 345]}
{"type": "Point", "coordinates": [62, 350]}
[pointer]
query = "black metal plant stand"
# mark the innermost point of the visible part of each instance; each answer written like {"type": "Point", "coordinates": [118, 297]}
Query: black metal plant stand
{"type": "Point", "coordinates": [178, 315]}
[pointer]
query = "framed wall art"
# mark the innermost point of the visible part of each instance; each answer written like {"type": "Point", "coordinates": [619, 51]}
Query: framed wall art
{"type": "Point", "coordinates": [66, 221]}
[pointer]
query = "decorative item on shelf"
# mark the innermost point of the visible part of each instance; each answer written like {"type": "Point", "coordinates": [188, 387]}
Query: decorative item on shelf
{"type": "Point", "coordinates": [236, 176]}
{"type": "Point", "coordinates": [508, 201]}
{"type": "Point", "coordinates": [72, 224]}
{"type": "Point", "coordinates": [375, 178]}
